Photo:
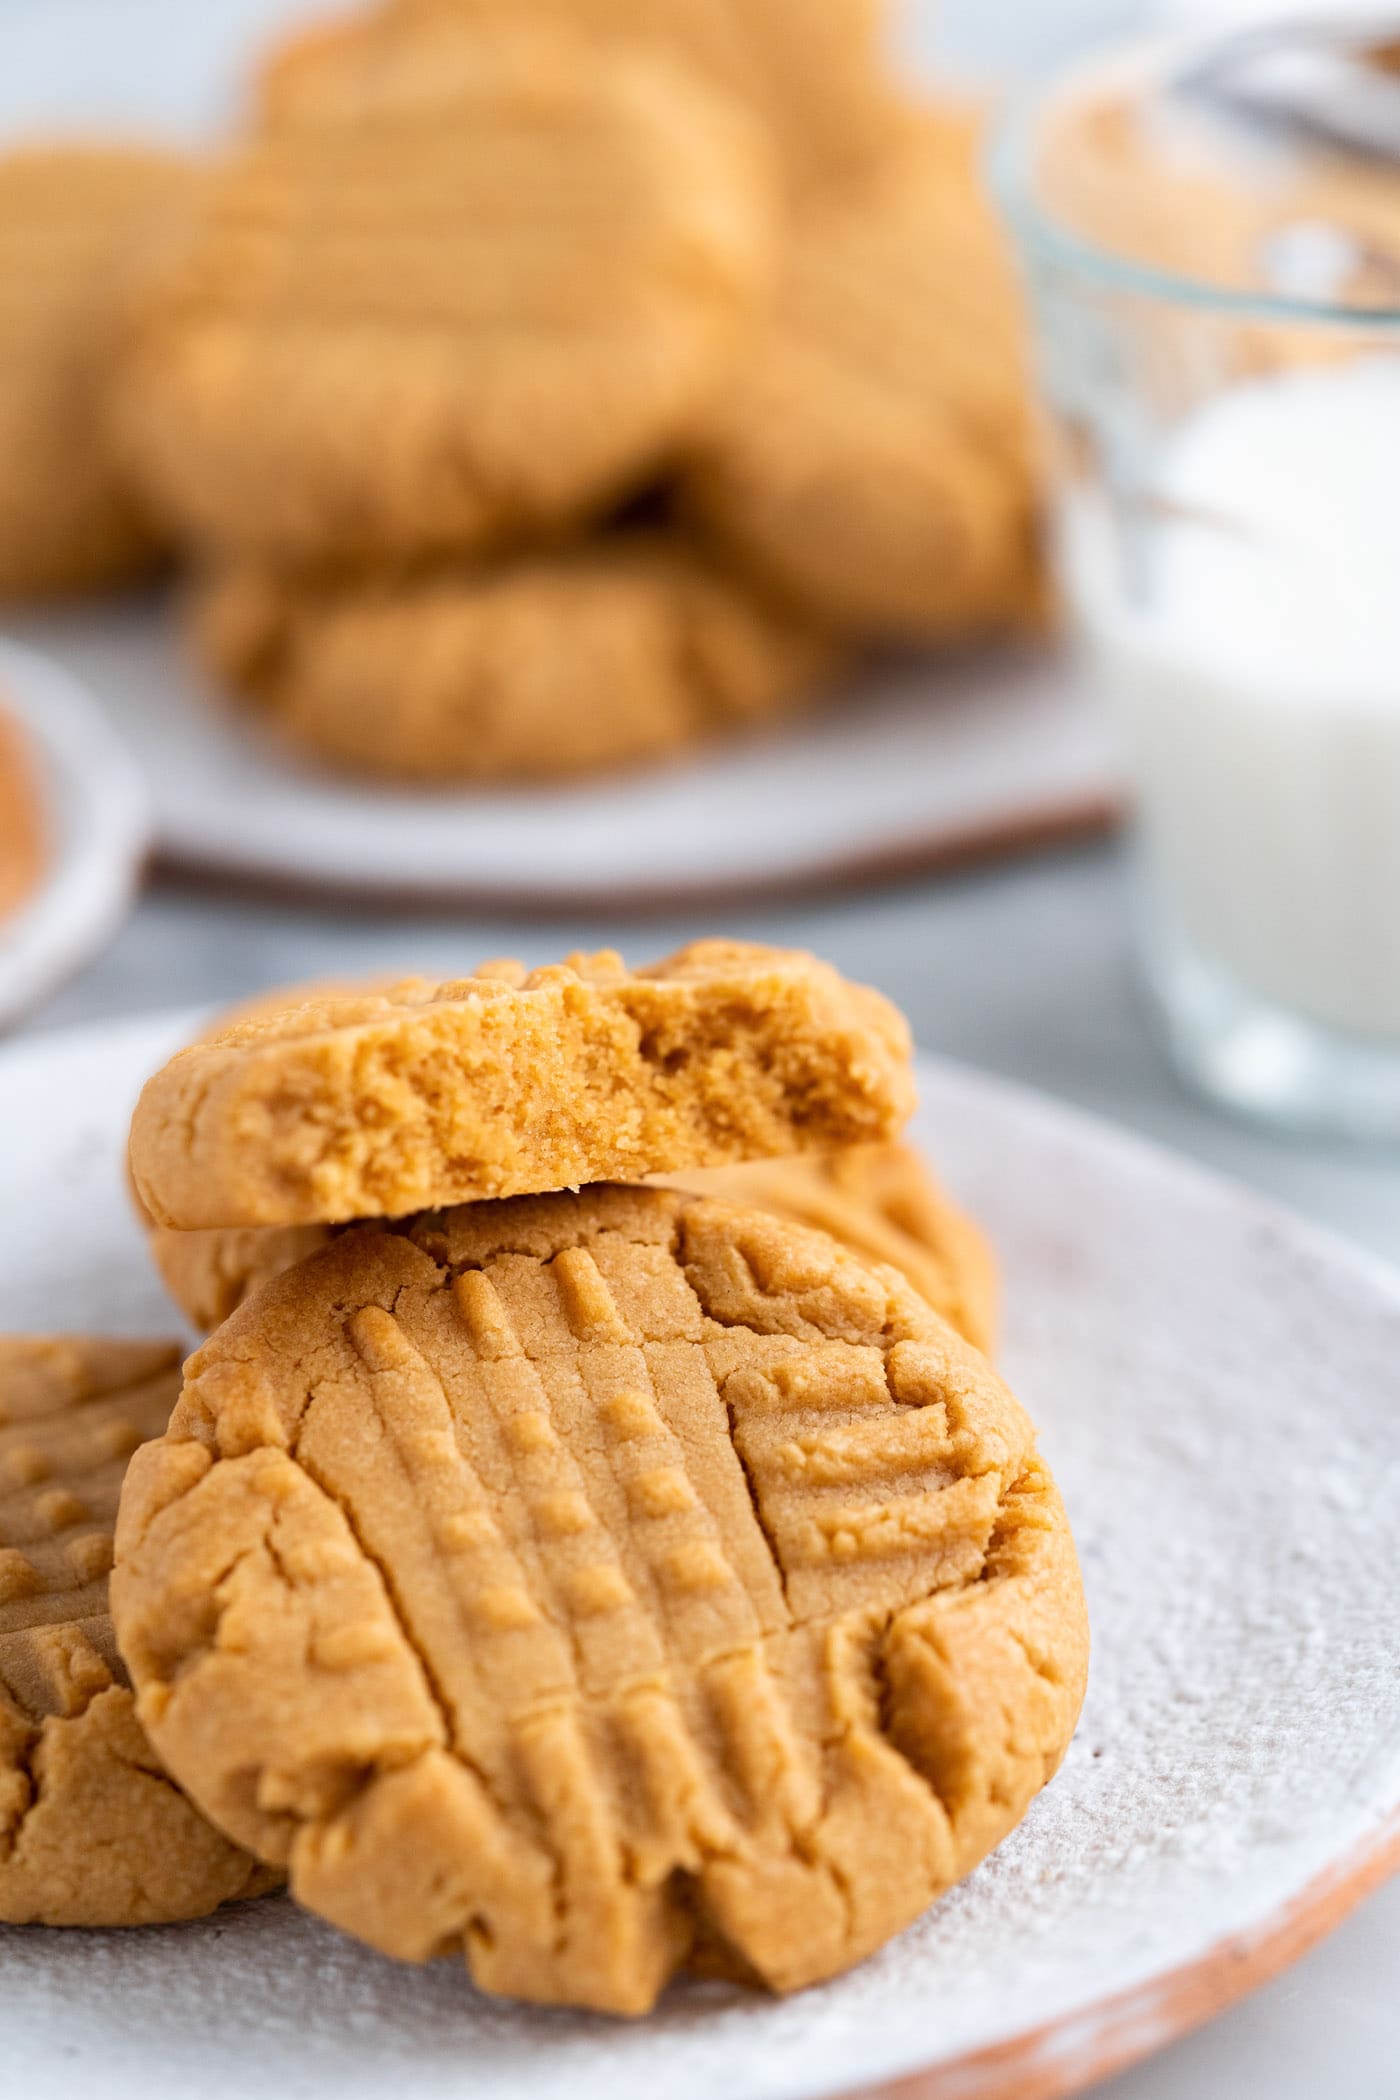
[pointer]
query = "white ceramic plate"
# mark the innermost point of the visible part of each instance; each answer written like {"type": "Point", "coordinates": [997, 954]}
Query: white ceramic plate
{"type": "Point", "coordinates": [922, 764]}
{"type": "Point", "coordinates": [98, 826]}
{"type": "Point", "coordinates": [1219, 1392]}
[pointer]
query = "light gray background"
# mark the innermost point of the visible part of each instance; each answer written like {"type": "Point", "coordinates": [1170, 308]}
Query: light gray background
{"type": "Point", "coordinates": [1024, 970]}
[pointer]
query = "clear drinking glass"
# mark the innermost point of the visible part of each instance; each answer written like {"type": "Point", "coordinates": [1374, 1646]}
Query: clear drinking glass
{"type": "Point", "coordinates": [1214, 279]}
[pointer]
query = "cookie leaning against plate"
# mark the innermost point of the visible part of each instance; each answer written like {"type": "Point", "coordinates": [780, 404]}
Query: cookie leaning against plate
{"type": "Point", "coordinates": [813, 71]}
{"type": "Point", "coordinates": [593, 1583]}
{"type": "Point", "coordinates": [880, 1201]}
{"type": "Point", "coordinates": [456, 319]}
{"type": "Point", "coordinates": [380, 1104]}
{"type": "Point", "coordinates": [627, 648]}
{"type": "Point", "coordinates": [873, 457]}
{"type": "Point", "coordinates": [78, 227]}
{"type": "Point", "coordinates": [91, 1830]}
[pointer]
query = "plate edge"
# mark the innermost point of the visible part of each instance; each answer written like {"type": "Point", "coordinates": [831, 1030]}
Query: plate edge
{"type": "Point", "coordinates": [1064, 2056]}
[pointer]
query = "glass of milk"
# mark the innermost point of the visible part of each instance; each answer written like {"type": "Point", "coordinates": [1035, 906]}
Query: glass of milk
{"type": "Point", "coordinates": [1210, 238]}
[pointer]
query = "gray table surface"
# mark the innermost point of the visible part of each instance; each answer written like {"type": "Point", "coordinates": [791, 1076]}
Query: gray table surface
{"type": "Point", "coordinates": [1025, 971]}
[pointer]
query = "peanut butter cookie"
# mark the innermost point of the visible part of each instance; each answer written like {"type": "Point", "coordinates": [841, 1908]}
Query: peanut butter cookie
{"type": "Point", "coordinates": [77, 228]}
{"type": "Point", "coordinates": [880, 1201]}
{"type": "Point", "coordinates": [873, 457]}
{"type": "Point", "coordinates": [813, 71]}
{"type": "Point", "coordinates": [628, 648]}
{"type": "Point", "coordinates": [92, 1832]}
{"type": "Point", "coordinates": [592, 1584]}
{"type": "Point", "coordinates": [444, 325]}
{"type": "Point", "coordinates": [384, 1103]}
{"type": "Point", "coordinates": [210, 1273]}
{"type": "Point", "coordinates": [22, 840]}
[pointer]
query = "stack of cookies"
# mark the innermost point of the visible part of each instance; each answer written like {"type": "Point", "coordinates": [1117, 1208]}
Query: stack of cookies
{"type": "Point", "coordinates": [541, 386]}
{"type": "Point", "coordinates": [585, 1576]}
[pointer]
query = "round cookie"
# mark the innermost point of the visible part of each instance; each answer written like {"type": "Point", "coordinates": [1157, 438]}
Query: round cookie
{"type": "Point", "coordinates": [91, 1830]}
{"type": "Point", "coordinates": [880, 1201]}
{"type": "Point", "coordinates": [813, 71]}
{"type": "Point", "coordinates": [593, 1583]}
{"type": "Point", "coordinates": [629, 648]}
{"type": "Point", "coordinates": [77, 228]}
{"type": "Point", "coordinates": [873, 458]}
{"type": "Point", "coordinates": [454, 320]}
{"type": "Point", "coordinates": [22, 840]}
{"type": "Point", "coordinates": [378, 1104]}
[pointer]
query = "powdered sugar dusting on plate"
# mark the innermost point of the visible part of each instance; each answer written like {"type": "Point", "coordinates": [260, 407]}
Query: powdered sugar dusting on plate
{"type": "Point", "coordinates": [1220, 1394]}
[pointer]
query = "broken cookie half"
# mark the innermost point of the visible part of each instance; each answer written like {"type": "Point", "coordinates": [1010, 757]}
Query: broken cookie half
{"type": "Point", "coordinates": [511, 1082]}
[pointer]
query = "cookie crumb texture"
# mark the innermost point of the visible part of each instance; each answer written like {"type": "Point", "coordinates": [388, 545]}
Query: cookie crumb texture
{"type": "Point", "coordinates": [92, 1832]}
{"type": "Point", "coordinates": [508, 1084]}
{"type": "Point", "coordinates": [596, 1585]}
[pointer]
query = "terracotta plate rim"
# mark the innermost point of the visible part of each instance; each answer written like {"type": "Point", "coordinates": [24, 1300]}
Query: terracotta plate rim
{"type": "Point", "coordinates": [1064, 2057]}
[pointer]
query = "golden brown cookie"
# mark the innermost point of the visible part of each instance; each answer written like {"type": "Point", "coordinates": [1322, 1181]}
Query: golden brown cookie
{"type": "Point", "coordinates": [813, 71]}
{"type": "Point", "coordinates": [624, 649]}
{"type": "Point", "coordinates": [380, 1104]}
{"type": "Point", "coordinates": [880, 1201]}
{"type": "Point", "coordinates": [581, 1582]}
{"type": "Point", "coordinates": [23, 847]}
{"type": "Point", "coordinates": [92, 1832]}
{"type": "Point", "coordinates": [210, 1273]}
{"type": "Point", "coordinates": [440, 327]}
{"type": "Point", "coordinates": [77, 228]}
{"type": "Point", "coordinates": [873, 458]}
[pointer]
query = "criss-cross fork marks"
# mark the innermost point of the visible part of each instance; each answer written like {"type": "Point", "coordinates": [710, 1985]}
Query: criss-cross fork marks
{"type": "Point", "coordinates": [70, 1417]}
{"type": "Point", "coordinates": [641, 1491]}
{"type": "Point", "coordinates": [576, 1580]}
{"type": "Point", "coordinates": [650, 1557]}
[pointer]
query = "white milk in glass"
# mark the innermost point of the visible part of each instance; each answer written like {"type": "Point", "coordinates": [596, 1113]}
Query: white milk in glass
{"type": "Point", "coordinates": [1245, 608]}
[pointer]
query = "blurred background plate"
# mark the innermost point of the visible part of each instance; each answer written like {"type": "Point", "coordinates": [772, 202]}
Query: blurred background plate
{"type": "Point", "coordinates": [1216, 1387]}
{"type": "Point", "coordinates": [96, 822]}
{"type": "Point", "coordinates": [923, 764]}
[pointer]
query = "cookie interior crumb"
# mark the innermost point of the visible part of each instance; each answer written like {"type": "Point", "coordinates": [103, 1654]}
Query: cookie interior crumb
{"type": "Point", "coordinates": [386, 1104]}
